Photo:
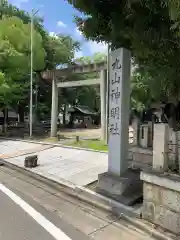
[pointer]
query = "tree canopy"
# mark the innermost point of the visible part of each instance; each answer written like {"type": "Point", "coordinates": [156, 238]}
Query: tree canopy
{"type": "Point", "coordinates": [48, 53]}
{"type": "Point", "coordinates": [149, 28]}
{"type": "Point", "coordinates": [97, 57]}
{"type": "Point", "coordinates": [15, 55]}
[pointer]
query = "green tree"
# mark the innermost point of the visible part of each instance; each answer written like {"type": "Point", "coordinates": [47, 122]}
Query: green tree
{"type": "Point", "coordinates": [5, 91]}
{"type": "Point", "coordinates": [144, 90]}
{"type": "Point", "coordinates": [83, 60]}
{"type": "Point", "coordinates": [59, 50]}
{"type": "Point", "coordinates": [174, 10]}
{"type": "Point", "coordinates": [99, 57]}
{"type": "Point", "coordinates": [95, 58]}
{"type": "Point", "coordinates": [148, 28]}
{"type": "Point", "coordinates": [144, 27]}
{"type": "Point", "coordinates": [89, 96]}
{"type": "Point", "coordinates": [5, 96]}
{"type": "Point", "coordinates": [15, 55]}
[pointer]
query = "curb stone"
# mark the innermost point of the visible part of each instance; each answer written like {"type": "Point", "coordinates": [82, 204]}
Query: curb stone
{"type": "Point", "coordinates": [64, 146]}
{"type": "Point", "coordinates": [54, 144]}
{"type": "Point", "coordinates": [125, 212]}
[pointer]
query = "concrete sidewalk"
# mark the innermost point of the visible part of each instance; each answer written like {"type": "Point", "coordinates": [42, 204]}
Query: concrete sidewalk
{"type": "Point", "coordinates": [78, 167]}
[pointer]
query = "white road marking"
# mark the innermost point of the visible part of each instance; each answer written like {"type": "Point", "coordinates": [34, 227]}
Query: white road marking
{"type": "Point", "coordinates": [39, 218]}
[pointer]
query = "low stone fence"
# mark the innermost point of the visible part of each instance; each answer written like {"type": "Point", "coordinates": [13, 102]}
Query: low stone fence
{"type": "Point", "coordinates": [161, 186]}
{"type": "Point", "coordinates": [161, 200]}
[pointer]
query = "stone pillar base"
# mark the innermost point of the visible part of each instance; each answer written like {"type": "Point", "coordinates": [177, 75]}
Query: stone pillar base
{"type": "Point", "coordinates": [126, 189]}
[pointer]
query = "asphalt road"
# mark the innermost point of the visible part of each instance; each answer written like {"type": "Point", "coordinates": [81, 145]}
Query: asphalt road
{"type": "Point", "coordinates": [16, 224]}
{"type": "Point", "coordinates": [20, 221]}
{"type": "Point", "coordinates": [32, 210]}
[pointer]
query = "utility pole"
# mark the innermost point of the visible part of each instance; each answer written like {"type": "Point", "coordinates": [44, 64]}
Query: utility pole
{"type": "Point", "coordinates": [31, 75]}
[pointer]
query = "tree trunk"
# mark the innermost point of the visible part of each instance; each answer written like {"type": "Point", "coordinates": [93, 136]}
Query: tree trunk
{"type": "Point", "coordinates": [21, 113]}
{"type": "Point", "coordinates": [71, 123]}
{"type": "Point", "coordinates": [5, 112]}
{"type": "Point", "coordinates": [64, 115]}
{"type": "Point", "coordinates": [177, 153]}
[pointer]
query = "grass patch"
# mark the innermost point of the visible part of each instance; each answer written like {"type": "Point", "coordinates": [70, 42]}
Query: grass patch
{"type": "Point", "coordinates": [50, 139]}
{"type": "Point", "coordinates": [90, 144]}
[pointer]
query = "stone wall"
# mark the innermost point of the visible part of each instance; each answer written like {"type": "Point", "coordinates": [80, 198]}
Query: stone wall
{"type": "Point", "coordinates": [161, 204]}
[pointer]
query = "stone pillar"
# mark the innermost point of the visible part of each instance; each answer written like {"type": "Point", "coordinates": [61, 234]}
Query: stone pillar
{"type": "Point", "coordinates": [103, 91]}
{"type": "Point", "coordinates": [144, 128]}
{"type": "Point", "coordinates": [178, 148]}
{"type": "Point", "coordinates": [54, 108]}
{"type": "Point", "coordinates": [173, 147]}
{"type": "Point", "coordinates": [150, 134]}
{"type": "Point", "coordinates": [160, 147]}
{"type": "Point", "coordinates": [119, 182]}
{"type": "Point", "coordinates": [119, 99]}
{"type": "Point", "coordinates": [135, 127]}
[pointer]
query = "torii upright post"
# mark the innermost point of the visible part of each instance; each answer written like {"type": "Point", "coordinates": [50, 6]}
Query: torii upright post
{"type": "Point", "coordinates": [54, 108]}
{"type": "Point", "coordinates": [103, 92]}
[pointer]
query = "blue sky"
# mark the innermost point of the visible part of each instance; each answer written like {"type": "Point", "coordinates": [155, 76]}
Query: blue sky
{"type": "Point", "coordinates": [58, 18]}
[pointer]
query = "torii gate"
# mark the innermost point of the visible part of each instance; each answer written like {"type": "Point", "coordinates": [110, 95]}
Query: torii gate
{"type": "Point", "coordinates": [56, 76]}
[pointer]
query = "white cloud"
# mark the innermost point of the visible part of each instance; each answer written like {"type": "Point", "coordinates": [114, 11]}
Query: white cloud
{"type": "Point", "coordinates": [96, 47]}
{"type": "Point", "coordinates": [61, 24]}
